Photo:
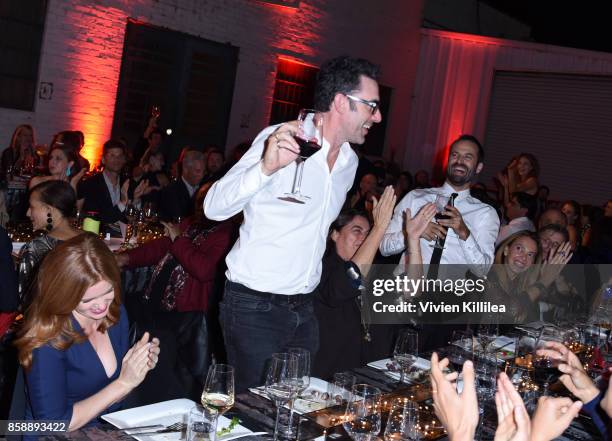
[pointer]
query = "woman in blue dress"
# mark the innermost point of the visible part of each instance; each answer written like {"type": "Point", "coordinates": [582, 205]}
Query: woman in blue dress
{"type": "Point", "coordinates": [73, 345]}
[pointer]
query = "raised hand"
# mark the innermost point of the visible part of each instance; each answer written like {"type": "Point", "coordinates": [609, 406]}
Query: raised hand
{"type": "Point", "coordinates": [512, 417]}
{"type": "Point", "coordinates": [382, 210]}
{"type": "Point", "coordinates": [455, 222]}
{"type": "Point", "coordinates": [574, 378]}
{"type": "Point", "coordinates": [552, 417]}
{"type": "Point", "coordinates": [417, 226]}
{"type": "Point", "coordinates": [457, 412]}
{"type": "Point", "coordinates": [281, 149]}
{"type": "Point", "coordinates": [171, 230]}
{"type": "Point", "coordinates": [140, 359]}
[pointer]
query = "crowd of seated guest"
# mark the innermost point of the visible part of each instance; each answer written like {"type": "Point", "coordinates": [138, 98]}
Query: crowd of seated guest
{"type": "Point", "coordinates": [531, 274]}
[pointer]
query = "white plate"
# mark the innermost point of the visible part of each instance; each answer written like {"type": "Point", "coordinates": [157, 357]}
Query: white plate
{"type": "Point", "coordinates": [165, 413]}
{"type": "Point", "coordinates": [301, 406]}
{"type": "Point", "coordinates": [420, 365]}
{"type": "Point", "coordinates": [114, 243]}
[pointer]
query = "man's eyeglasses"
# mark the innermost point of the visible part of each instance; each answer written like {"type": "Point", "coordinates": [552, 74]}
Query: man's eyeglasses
{"type": "Point", "coordinates": [373, 105]}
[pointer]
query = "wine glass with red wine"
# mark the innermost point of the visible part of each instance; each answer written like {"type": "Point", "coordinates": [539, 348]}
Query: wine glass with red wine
{"type": "Point", "coordinates": [441, 202]}
{"type": "Point", "coordinates": [310, 139]}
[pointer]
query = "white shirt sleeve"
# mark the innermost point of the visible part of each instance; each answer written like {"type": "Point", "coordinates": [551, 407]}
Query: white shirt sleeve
{"type": "Point", "coordinates": [393, 241]}
{"type": "Point", "coordinates": [479, 248]}
{"type": "Point", "coordinates": [232, 192]}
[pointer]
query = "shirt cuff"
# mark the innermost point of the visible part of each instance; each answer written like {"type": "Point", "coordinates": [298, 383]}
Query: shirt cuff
{"type": "Point", "coordinates": [254, 178]}
{"type": "Point", "coordinates": [591, 406]}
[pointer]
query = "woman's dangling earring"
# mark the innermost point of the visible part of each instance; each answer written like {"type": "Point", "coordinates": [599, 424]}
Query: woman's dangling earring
{"type": "Point", "coordinates": [49, 225]}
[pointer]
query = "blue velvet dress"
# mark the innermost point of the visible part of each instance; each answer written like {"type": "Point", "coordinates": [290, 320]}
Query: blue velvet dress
{"type": "Point", "coordinates": [59, 379]}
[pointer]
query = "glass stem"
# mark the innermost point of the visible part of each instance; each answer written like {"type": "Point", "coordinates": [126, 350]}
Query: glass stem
{"type": "Point", "coordinates": [297, 182]}
{"type": "Point", "coordinates": [290, 422]}
{"type": "Point", "coordinates": [401, 380]}
{"type": "Point", "coordinates": [278, 409]}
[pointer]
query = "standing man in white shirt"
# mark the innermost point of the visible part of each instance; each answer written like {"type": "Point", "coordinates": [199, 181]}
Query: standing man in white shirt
{"type": "Point", "coordinates": [470, 232]}
{"type": "Point", "coordinates": [276, 262]}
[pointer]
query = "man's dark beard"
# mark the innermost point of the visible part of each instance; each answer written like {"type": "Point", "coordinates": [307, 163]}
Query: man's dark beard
{"type": "Point", "coordinates": [460, 180]}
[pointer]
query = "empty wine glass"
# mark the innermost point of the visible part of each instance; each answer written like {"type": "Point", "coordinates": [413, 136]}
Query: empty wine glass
{"type": "Point", "coordinates": [362, 419]}
{"type": "Point", "coordinates": [462, 346]}
{"type": "Point", "coordinates": [281, 382]}
{"type": "Point", "coordinates": [309, 137]}
{"type": "Point", "coordinates": [406, 351]}
{"type": "Point", "coordinates": [218, 390]}
{"type": "Point", "coordinates": [403, 422]}
{"type": "Point", "coordinates": [339, 391]}
{"type": "Point", "coordinates": [441, 202]}
{"type": "Point", "coordinates": [303, 381]}
{"type": "Point", "coordinates": [487, 333]}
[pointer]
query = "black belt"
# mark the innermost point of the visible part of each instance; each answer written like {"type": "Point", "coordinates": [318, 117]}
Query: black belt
{"type": "Point", "coordinates": [277, 299]}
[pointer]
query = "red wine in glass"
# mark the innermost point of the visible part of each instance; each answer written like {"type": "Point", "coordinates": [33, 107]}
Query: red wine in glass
{"type": "Point", "coordinates": [307, 148]}
{"type": "Point", "coordinates": [441, 216]}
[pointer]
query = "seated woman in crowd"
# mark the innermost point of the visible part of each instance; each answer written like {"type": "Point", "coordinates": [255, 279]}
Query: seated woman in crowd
{"type": "Point", "coordinates": [20, 153]}
{"type": "Point", "coordinates": [351, 249]}
{"type": "Point", "coordinates": [520, 175]}
{"type": "Point", "coordinates": [63, 163]}
{"type": "Point", "coordinates": [519, 284]}
{"type": "Point", "coordinates": [52, 206]}
{"type": "Point", "coordinates": [188, 273]}
{"type": "Point", "coordinates": [367, 187]}
{"type": "Point", "coordinates": [153, 173]}
{"type": "Point", "coordinates": [73, 345]}
{"type": "Point", "coordinates": [568, 292]}
{"type": "Point", "coordinates": [573, 212]}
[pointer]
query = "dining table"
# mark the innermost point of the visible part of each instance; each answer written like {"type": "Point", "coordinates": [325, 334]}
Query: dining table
{"type": "Point", "coordinates": [257, 413]}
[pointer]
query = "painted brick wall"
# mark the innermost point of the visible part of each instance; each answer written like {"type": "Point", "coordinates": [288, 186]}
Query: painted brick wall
{"type": "Point", "coordinates": [83, 43]}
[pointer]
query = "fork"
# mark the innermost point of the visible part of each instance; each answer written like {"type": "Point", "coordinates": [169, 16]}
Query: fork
{"type": "Point", "coordinates": [176, 427]}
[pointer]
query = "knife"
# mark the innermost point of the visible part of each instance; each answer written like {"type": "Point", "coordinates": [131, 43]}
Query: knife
{"type": "Point", "coordinates": [151, 427]}
{"type": "Point", "coordinates": [150, 432]}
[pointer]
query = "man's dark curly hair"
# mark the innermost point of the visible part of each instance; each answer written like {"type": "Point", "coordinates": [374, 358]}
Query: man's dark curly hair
{"type": "Point", "coordinates": [341, 75]}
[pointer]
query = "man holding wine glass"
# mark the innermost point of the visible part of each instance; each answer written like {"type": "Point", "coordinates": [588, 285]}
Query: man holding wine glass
{"type": "Point", "coordinates": [464, 231]}
{"type": "Point", "coordinates": [289, 199]}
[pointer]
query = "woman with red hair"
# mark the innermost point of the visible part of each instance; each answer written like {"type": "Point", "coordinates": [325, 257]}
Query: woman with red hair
{"type": "Point", "coordinates": [73, 345]}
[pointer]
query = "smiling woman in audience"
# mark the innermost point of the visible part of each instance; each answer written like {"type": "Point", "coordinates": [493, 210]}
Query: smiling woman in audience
{"type": "Point", "coordinates": [73, 345]}
{"type": "Point", "coordinates": [63, 162]}
{"type": "Point", "coordinates": [52, 205]}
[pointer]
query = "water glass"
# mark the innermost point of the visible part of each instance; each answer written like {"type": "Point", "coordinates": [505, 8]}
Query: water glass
{"type": "Point", "coordinates": [202, 424]}
{"type": "Point", "coordinates": [403, 422]}
{"type": "Point", "coordinates": [362, 419]}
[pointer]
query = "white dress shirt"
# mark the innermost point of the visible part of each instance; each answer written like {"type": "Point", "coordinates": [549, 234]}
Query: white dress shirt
{"type": "Point", "coordinates": [281, 243]}
{"type": "Point", "coordinates": [190, 188]}
{"type": "Point", "coordinates": [477, 251]}
{"type": "Point", "coordinates": [514, 226]}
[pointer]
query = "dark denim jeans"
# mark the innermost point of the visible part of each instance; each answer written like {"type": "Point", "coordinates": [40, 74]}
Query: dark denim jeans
{"type": "Point", "coordinates": [256, 325]}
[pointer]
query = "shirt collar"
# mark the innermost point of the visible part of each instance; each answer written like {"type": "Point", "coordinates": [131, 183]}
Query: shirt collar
{"type": "Point", "coordinates": [447, 190]}
{"type": "Point", "coordinates": [191, 189]}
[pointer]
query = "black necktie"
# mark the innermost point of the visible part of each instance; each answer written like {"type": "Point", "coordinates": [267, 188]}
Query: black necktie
{"type": "Point", "coordinates": [432, 272]}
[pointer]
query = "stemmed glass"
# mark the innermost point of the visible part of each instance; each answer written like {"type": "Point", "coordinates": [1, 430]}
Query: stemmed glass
{"type": "Point", "coordinates": [281, 382]}
{"type": "Point", "coordinates": [487, 333]}
{"type": "Point", "coordinates": [310, 139]}
{"type": "Point", "coordinates": [303, 380]}
{"type": "Point", "coordinates": [403, 422]}
{"type": "Point", "coordinates": [441, 202]}
{"type": "Point", "coordinates": [406, 351]}
{"type": "Point", "coordinates": [218, 390]}
{"type": "Point", "coordinates": [462, 346]}
{"type": "Point", "coordinates": [362, 419]}
{"type": "Point", "coordinates": [545, 368]}
{"type": "Point", "coordinates": [131, 213]}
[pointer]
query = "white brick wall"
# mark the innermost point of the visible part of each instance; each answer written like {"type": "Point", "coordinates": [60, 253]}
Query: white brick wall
{"type": "Point", "coordinates": [83, 43]}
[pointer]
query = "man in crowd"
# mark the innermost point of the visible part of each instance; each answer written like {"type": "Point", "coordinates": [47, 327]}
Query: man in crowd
{"type": "Point", "coordinates": [105, 193]}
{"type": "Point", "coordinates": [470, 230]}
{"type": "Point", "coordinates": [177, 199]}
{"type": "Point", "coordinates": [552, 216]}
{"type": "Point", "coordinates": [215, 161]}
{"type": "Point", "coordinates": [276, 263]}
{"type": "Point", "coordinates": [520, 212]}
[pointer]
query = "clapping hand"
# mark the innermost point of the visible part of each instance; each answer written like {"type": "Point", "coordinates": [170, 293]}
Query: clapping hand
{"type": "Point", "coordinates": [140, 359]}
{"type": "Point", "coordinates": [417, 225]}
{"type": "Point", "coordinates": [457, 412]}
{"type": "Point", "coordinates": [552, 417]}
{"type": "Point", "coordinates": [574, 378]}
{"type": "Point", "coordinates": [382, 210]}
{"type": "Point", "coordinates": [554, 263]}
{"type": "Point", "coordinates": [512, 417]}
{"type": "Point", "coordinates": [171, 230]}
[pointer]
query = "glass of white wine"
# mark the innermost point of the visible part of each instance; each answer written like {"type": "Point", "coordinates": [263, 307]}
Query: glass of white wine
{"type": "Point", "coordinates": [218, 390]}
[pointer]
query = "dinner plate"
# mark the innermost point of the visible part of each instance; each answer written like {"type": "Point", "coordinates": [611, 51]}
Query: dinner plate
{"type": "Point", "coordinates": [316, 391]}
{"type": "Point", "coordinates": [414, 375]}
{"type": "Point", "coordinates": [166, 413]}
